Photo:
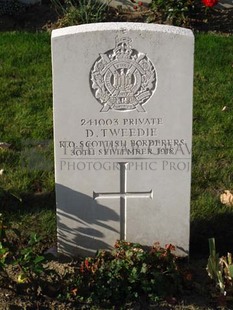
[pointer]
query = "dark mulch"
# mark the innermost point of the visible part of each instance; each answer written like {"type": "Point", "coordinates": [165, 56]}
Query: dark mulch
{"type": "Point", "coordinates": [215, 20]}
{"type": "Point", "coordinates": [33, 18]}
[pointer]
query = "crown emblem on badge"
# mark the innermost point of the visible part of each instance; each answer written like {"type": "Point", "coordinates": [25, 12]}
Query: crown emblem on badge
{"type": "Point", "coordinates": [123, 79]}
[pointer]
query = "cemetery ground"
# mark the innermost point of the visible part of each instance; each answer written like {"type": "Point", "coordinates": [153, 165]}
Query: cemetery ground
{"type": "Point", "coordinates": [27, 198]}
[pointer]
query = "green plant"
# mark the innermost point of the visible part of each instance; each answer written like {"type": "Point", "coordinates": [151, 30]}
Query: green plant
{"type": "Point", "coordinates": [127, 273]}
{"type": "Point", "coordinates": [227, 265]}
{"type": "Point", "coordinates": [29, 264]}
{"type": "Point", "coordinates": [174, 12]}
{"type": "Point", "coordinates": [214, 268]}
{"type": "Point", "coordinates": [75, 12]}
{"type": "Point", "coordinates": [220, 270]}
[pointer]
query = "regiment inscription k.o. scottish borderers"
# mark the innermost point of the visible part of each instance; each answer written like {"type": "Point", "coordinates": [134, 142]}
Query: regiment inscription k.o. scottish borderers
{"type": "Point", "coordinates": [123, 79]}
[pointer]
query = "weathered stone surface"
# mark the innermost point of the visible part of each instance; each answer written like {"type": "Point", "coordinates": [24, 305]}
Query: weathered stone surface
{"type": "Point", "coordinates": [122, 130]}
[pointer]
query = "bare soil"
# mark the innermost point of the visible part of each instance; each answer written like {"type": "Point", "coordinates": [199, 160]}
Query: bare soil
{"type": "Point", "coordinates": [196, 295]}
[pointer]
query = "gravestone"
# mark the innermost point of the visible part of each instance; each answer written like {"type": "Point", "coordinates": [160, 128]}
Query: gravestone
{"type": "Point", "coordinates": [122, 131]}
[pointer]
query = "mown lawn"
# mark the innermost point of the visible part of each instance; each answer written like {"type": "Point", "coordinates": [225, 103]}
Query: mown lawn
{"type": "Point", "coordinates": [212, 141]}
{"type": "Point", "coordinates": [26, 124]}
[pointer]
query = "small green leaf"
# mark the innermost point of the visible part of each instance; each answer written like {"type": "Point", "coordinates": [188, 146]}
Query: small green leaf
{"type": "Point", "coordinates": [231, 270]}
{"type": "Point", "coordinates": [144, 268]}
{"type": "Point", "coordinates": [38, 259]}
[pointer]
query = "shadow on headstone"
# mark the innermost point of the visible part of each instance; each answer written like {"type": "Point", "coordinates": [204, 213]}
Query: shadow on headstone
{"type": "Point", "coordinates": [83, 224]}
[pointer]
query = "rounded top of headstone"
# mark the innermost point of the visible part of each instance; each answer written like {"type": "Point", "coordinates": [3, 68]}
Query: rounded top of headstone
{"type": "Point", "coordinates": [121, 26]}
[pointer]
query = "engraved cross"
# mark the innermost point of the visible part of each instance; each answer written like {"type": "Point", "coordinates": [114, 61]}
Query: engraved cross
{"type": "Point", "coordinates": [123, 195]}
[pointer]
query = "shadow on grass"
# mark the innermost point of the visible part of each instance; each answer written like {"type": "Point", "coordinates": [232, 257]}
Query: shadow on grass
{"type": "Point", "coordinates": [27, 202]}
{"type": "Point", "coordinates": [218, 226]}
{"type": "Point", "coordinates": [34, 18]}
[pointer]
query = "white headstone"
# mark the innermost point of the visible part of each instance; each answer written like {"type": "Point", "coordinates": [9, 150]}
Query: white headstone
{"type": "Point", "coordinates": [122, 130]}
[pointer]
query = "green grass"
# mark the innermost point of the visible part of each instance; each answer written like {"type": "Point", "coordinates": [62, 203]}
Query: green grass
{"type": "Point", "coordinates": [212, 140]}
{"type": "Point", "coordinates": [26, 112]}
{"type": "Point", "coordinates": [26, 123]}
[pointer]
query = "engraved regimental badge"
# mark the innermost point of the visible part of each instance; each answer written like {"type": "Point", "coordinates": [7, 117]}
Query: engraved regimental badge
{"type": "Point", "coordinates": [122, 78]}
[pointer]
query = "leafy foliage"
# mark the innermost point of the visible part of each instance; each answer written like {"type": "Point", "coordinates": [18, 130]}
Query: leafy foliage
{"type": "Point", "coordinates": [128, 273]}
{"type": "Point", "coordinates": [220, 270]}
{"type": "Point", "coordinates": [29, 264]}
{"type": "Point", "coordinates": [175, 12]}
{"type": "Point", "coordinates": [75, 12]}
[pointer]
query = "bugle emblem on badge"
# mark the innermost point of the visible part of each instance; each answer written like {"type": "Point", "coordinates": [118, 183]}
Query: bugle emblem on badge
{"type": "Point", "coordinates": [123, 79]}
